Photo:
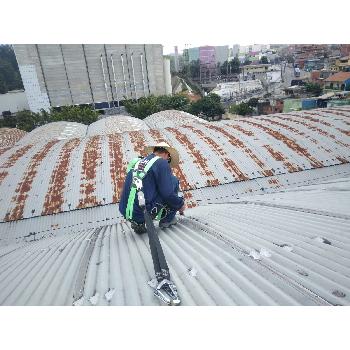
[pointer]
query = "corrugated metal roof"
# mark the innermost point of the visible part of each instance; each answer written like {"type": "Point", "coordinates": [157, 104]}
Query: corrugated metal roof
{"type": "Point", "coordinates": [275, 252]}
{"type": "Point", "coordinates": [116, 124]}
{"type": "Point", "coordinates": [52, 176]}
{"type": "Point", "coordinates": [171, 118]}
{"type": "Point", "coordinates": [9, 137]}
{"type": "Point", "coordinates": [73, 220]}
{"type": "Point", "coordinates": [55, 131]}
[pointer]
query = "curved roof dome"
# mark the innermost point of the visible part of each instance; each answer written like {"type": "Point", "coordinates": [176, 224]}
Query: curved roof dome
{"type": "Point", "coordinates": [171, 118]}
{"type": "Point", "coordinates": [55, 131]}
{"type": "Point", "coordinates": [55, 176]}
{"type": "Point", "coordinates": [116, 124]}
{"type": "Point", "coordinates": [9, 136]}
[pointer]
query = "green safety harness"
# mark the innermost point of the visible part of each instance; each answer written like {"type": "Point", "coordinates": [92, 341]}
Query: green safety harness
{"type": "Point", "coordinates": [140, 169]}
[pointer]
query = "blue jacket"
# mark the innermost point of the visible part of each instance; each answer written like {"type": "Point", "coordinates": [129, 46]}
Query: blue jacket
{"type": "Point", "coordinates": [158, 187]}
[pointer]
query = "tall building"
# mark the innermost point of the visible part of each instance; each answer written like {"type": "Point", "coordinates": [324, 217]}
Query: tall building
{"type": "Point", "coordinates": [99, 75]}
{"type": "Point", "coordinates": [235, 50]}
{"type": "Point", "coordinates": [176, 59]}
{"type": "Point", "coordinates": [207, 61]}
{"type": "Point", "coordinates": [221, 54]}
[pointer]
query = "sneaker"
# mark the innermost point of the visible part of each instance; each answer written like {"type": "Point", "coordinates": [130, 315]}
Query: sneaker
{"type": "Point", "coordinates": [166, 224]}
{"type": "Point", "coordinates": [139, 229]}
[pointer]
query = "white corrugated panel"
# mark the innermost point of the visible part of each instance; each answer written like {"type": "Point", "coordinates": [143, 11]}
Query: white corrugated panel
{"type": "Point", "coordinates": [220, 254]}
{"type": "Point", "coordinates": [116, 124]}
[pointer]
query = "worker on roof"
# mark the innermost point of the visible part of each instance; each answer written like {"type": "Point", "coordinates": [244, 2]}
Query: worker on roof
{"type": "Point", "coordinates": [160, 188]}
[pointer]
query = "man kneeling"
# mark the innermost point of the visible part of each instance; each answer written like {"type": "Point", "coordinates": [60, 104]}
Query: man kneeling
{"type": "Point", "coordinates": [160, 188]}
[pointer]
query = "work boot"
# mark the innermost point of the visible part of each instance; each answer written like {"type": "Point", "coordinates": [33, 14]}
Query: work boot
{"type": "Point", "coordinates": [139, 229]}
{"type": "Point", "coordinates": [166, 224]}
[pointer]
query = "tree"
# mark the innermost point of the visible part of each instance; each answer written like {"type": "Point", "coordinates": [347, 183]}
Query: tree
{"type": "Point", "coordinates": [241, 109]}
{"type": "Point", "coordinates": [28, 121]}
{"type": "Point", "coordinates": [314, 89]}
{"type": "Point", "coordinates": [247, 61]}
{"type": "Point", "coordinates": [209, 105]}
{"type": "Point", "coordinates": [79, 114]}
{"type": "Point", "coordinates": [264, 60]}
{"type": "Point", "coordinates": [253, 102]}
{"type": "Point", "coordinates": [235, 63]}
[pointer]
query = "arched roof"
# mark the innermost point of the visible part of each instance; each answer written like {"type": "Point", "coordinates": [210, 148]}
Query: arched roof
{"type": "Point", "coordinates": [116, 124]}
{"type": "Point", "coordinates": [171, 118]}
{"type": "Point", "coordinates": [52, 175]}
{"type": "Point", "coordinates": [61, 130]}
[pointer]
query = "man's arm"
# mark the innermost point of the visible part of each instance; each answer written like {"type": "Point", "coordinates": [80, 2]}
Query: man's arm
{"type": "Point", "coordinates": [165, 186]}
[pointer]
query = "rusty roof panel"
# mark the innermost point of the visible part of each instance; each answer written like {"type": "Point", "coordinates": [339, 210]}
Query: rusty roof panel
{"type": "Point", "coordinates": [10, 136]}
{"type": "Point", "coordinates": [76, 173]}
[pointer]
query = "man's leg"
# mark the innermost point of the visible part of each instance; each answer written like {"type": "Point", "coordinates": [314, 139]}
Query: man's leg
{"type": "Point", "coordinates": [170, 219]}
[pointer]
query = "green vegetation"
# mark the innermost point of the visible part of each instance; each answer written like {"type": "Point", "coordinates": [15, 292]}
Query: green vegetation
{"type": "Point", "coordinates": [253, 102]}
{"type": "Point", "coordinates": [10, 78]}
{"type": "Point", "coordinates": [208, 106]}
{"type": "Point", "coordinates": [314, 89]}
{"type": "Point", "coordinates": [264, 60]}
{"type": "Point", "coordinates": [146, 106]}
{"type": "Point", "coordinates": [27, 120]}
{"type": "Point", "coordinates": [241, 109]}
{"type": "Point", "coordinates": [230, 67]}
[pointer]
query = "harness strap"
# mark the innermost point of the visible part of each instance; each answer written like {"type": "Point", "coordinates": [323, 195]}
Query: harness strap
{"type": "Point", "coordinates": [139, 172]}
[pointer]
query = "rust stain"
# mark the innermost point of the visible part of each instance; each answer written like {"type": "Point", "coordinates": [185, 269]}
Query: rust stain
{"type": "Point", "coordinates": [314, 128]}
{"type": "Point", "coordinates": [12, 160]}
{"type": "Point", "coordinates": [24, 186]}
{"type": "Point", "coordinates": [138, 141]}
{"type": "Point", "coordinates": [274, 183]}
{"type": "Point", "coordinates": [280, 157]}
{"type": "Point", "coordinates": [342, 160]}
{"type": "Point", "coordinates": [117, 165]}
{"type": "Point", "coordinates": [296, 131]}
{"type": "Point", "coordinates": [4, 149]}
{"type": "Point", "coordinates": [228, 163]}
{"type": "Point", "coordinates": [197, 156]}
{"type": "Point", "coordinates": [239, 144]}
{"type": "Point", "coordinates": [336, 111]}
{"type": "Point", "coordinates": [9, 136]}
{"type": "Point", "coordinates": [91, 159]}
{"type": "Point", "coordinates": [289, 142]}
{"type": "Point", "coordinates": [54, 198]}
{"type": "Point", "coordinates": [242, 130]}
{"type": "Point", "coordinates": [307, 114]}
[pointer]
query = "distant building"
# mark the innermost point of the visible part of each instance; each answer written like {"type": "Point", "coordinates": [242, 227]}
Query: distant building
{"type": "Point", "coordinates": [98, 75]}
{"type": "Point", "coordinates": [319, 76]}
{"type": "Point", "coordinates": [207, 59]}
{"type": "Point", "coordinates": [13, 101]}
{"type": "Point", "coordinates": [221, 54]}
{"type": "Point", "coordinates": [176, 59]}
{"type": "Point", "coordinates": [193, 54]}
{"type": "Point", "coordinates": [313, 64]}
{"type": "Point", "coordinates": [342, 64]}
{"type": "Point", "coordinates": [269, 107]}
{"type": "Point", "coordinates": [345, 49]}
{"type": "Point", "coordinates": [255, 69]}
{"type": "Point", "coordinates": [338, 81]}
{"type": "Point", "coordinates": [235, 50]}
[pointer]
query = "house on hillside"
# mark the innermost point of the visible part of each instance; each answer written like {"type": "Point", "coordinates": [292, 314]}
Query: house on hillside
{"type": "Point", "coordinates": [338, 81]}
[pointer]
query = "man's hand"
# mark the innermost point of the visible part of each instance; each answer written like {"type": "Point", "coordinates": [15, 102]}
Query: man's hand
{"type": "Point", "coordinates": [182, 210]}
